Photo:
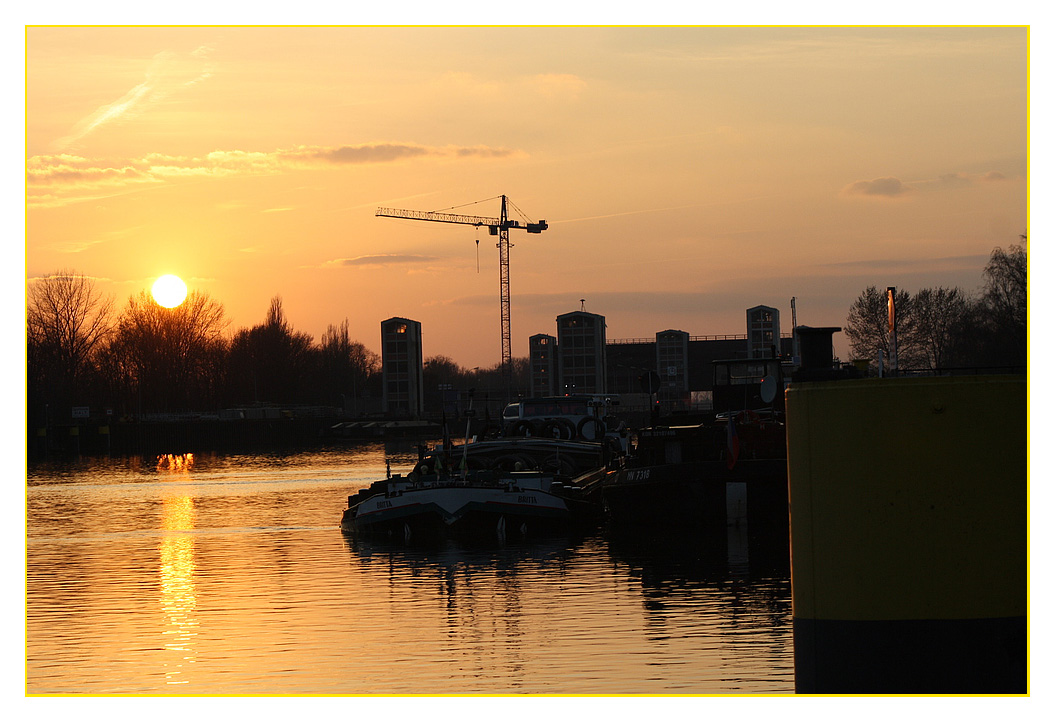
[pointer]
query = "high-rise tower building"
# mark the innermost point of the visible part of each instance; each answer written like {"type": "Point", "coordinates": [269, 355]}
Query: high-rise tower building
{"type": "Point", "coordinates": [672, 362]}
{"type": "Point", "coordinates": [543, 359]}
{"type": "Point", "coordinates": [401, 367]}
{"type": "Point", "coordinates": [582, 358]}
{"type": "Point", "coordinates": [763, 332]}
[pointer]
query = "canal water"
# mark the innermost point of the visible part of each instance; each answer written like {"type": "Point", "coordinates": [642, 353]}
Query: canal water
{"type": "Point", "coordinates": [228, 575]}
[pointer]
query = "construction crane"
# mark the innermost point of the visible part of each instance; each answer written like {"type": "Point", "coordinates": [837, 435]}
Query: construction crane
{"type": "Point", "coordinates": [496, 227]}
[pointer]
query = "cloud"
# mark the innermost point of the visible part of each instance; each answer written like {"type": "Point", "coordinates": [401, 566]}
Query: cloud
{"type": "Point", "coordinates": [73, 176]}
{"type": "Point", "coordinates": [955, 180]}
{"type": "Point", "coordinates": [894, 188]}
{"type": "Point", "coordinates": [558, 85]}
{"type": "Point", "coordinates": [348, 154]}
{"type": "Point", "coordinates": [947, 181]}
{"type": "Point", "coordinates": [899, 265]}
{"type": "Point", "coordinates": [479, 151]}
{"type": "Point", "coordinates": [53, 180]}
{"type": "Point", "coordinates": [30, 280]}
{"type": "Point", "coordinates": [382, 153]}
{"type": "Point", "coordinates": [167, 73]}
{"type": "Point", "coordinates": [883, 187]}
{"type": "Point", "coordinates": [381, 259]}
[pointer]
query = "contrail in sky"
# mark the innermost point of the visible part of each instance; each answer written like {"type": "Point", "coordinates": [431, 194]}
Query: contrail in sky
{"type": "Point", "coordinates": [167, 73]}
{"type": "Point", "coordinates": [657, 210]}
{"type": "Point", "coordinates": [628, 213]}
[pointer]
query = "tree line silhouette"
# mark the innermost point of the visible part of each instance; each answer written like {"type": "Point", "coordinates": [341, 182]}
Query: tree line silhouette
{"type": "Point", "coordinates": [947, 328]}
{"type": "Point", "coordinates": [148, 359]}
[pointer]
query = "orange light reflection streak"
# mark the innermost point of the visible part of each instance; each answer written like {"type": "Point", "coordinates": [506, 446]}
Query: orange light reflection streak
{"type": "Point", "coordinates": [178, 598]}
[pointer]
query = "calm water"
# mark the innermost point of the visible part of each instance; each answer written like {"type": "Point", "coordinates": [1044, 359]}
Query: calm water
{"type": "Point", "coordinates": [228, 574]}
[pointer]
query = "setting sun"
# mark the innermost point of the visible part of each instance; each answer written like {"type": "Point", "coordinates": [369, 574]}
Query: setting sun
{"type": "Point", "coordinates": [169, 291]}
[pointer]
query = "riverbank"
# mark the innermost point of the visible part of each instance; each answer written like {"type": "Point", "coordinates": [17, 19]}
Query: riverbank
{"type": "Point", "coordinates": [238, 430]}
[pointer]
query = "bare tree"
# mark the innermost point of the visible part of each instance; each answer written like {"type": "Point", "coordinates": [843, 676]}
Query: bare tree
{"type": "Point", "coordinates": [173, 356]}
{"type": "Point", "coordinates": [443, 370]}
{"type": "Point", "coordinates": [67, 320]}
{"type": "Point", "coordinates": [337, 343]}
{"type": "Point", "coordinates": [867, 326]}
{"type": "Point", "coordinates": [1006, 282]}
{"type": "Point", "coordinates": [939, 316]}
{"type": "Point", "coordinates": [346, 365]}
{"type": "Point", "coordinates": [1005, 298]}
{"type": "Point", "coordinates": [271, 360]}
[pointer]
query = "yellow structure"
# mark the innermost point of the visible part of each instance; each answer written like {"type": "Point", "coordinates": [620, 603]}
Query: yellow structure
{"type": "Point", "coordinates": [909, 534]}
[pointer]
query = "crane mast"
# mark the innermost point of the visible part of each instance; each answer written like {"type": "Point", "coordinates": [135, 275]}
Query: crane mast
{"type": "Point", "coordinates": [496, 227]}
{"type": "Point", "coordinates": [503, 293]}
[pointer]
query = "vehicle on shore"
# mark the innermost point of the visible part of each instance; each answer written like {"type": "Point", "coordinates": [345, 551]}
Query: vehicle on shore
{"type": "Point", "coordinates": [582, 417]}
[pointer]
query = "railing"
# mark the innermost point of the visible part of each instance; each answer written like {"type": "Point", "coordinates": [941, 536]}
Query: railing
{"type": "Point", "coordinates": [957, 371]}
{"type": "Point", "coordinates": [712, 337]}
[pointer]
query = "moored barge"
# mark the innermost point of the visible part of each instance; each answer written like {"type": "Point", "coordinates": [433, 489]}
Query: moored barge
{"type": "Point", "coordinates": [485, 503]}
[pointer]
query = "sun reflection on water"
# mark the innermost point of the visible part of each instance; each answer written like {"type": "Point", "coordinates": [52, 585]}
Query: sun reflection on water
{"type": "Point", "coordinates": [178, 598]}
{"type": "Point", "coordinates": [177, 463]}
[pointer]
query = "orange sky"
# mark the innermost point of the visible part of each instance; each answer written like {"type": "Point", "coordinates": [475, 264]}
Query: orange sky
{"type": "Point", "coordinates": [686, 173]}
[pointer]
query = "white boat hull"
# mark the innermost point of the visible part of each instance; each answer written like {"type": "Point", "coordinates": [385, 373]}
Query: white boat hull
{"type": "Point", "coordinates": [455, 507]}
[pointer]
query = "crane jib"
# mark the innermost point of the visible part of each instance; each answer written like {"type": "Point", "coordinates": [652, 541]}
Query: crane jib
{"type": "Point", "coordinates": [441, 217]}
{"type": "Point", "coordinates": [492, 223]}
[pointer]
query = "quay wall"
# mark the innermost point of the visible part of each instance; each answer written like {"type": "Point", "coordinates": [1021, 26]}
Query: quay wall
{"type": "Point", "coordinates": [175, 437]}
{"type": "Point", "coordinates": [909, 535]}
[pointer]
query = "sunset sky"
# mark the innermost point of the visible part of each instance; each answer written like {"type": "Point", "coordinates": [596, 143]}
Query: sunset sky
{"type": "Point", "coordinates": [686, 173]}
